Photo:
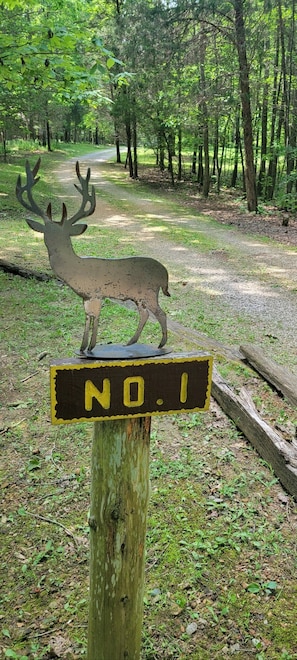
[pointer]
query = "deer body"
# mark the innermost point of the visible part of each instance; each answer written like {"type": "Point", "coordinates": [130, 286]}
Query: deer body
{"type": "Point", "coordinates": [132, 278]}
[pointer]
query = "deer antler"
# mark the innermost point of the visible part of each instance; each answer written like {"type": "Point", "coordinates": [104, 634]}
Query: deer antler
{"type": "Point", "coordinates": [31, 181]}
{"type": "Point", "coordinates": [87, 198]}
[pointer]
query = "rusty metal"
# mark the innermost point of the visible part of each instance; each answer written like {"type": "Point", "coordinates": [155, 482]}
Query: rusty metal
{"type": "Point", "coordinates": [93, 278]}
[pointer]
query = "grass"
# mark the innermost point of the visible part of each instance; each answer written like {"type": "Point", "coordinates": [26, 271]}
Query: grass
{"type": "Point", "coordinates": [221, 537]}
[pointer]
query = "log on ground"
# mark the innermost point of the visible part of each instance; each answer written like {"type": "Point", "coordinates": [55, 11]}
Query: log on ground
{"type": "Point", "coordinates": [282, 379]}
{"type": "Point", "coordinates": [14, 269]}
{"type": "Point", "coordinates": [272, 447]}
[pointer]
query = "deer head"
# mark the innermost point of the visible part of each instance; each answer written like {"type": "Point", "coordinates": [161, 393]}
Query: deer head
{"type": "Point", "coordinates": [68, 225]}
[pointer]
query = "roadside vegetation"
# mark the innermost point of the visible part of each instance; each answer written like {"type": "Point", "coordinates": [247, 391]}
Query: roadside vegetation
{"type": "Point", "coordinates": [221, 538]}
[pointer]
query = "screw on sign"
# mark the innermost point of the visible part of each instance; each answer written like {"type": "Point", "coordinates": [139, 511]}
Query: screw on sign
{"type": "Point", "coordinates": [119, 388]}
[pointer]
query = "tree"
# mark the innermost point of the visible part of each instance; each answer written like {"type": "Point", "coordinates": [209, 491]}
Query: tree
{"type": "Point", "coordinates": [55, 50]}
{"type": "Point", "coordinates": [250, 174]}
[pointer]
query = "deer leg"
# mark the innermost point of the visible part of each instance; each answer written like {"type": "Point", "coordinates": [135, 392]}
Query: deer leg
{"type": "Point", "coordinates": [92, 311]}
{"type": "Point", "coordinates": [161, 317]}
{"type": "Point", "coordinates": [143, 317]}
{"type": "Point", "coordinates": [84, 342]}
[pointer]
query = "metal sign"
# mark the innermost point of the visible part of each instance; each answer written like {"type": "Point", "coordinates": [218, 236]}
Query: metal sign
{"type": "Point", "coordinates": [89, 391]}
{"type": "Point", "coordinates": [139, 279]}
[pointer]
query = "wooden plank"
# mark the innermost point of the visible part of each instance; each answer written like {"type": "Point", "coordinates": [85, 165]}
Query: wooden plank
{"type": "Point", "coordinates": [277, 452]}
{"type": "Point", "coordinates": [118, 513]}
{"type": "Point", "coordinates": [279, 377]}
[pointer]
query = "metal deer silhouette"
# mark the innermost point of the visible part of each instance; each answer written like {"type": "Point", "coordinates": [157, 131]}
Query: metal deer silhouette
{"type": "Point", "coordinates": [132, 278]}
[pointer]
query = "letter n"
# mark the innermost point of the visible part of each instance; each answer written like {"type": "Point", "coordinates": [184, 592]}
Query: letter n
{"type": "Point", "coordinates": [92, 392]}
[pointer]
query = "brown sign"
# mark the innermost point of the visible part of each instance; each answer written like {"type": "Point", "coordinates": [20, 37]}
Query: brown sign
{"type": "Point", "coordinates": [84, 391]}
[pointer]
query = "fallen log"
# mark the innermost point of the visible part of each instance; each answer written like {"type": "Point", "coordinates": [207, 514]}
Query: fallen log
{"type": "Point", "coordinates": [24, 272]}
{"type": "Point", "coordinates": [275, 450]}
{"type": "Point", "coordinates": [283, 380]}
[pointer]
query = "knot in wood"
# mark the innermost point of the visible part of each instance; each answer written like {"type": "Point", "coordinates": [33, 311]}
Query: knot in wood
{"type": "Point", "coordinates": [93, 523]}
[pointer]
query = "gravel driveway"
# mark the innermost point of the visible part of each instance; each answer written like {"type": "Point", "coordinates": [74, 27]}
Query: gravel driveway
{"type": "Point", "coordinates": [243, 277]}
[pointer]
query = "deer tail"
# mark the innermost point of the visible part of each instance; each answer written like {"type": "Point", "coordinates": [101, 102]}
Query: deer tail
{"type": "Point", "coordinates": [165, 290]}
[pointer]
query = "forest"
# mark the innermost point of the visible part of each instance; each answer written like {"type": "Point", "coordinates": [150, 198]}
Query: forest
{"type": "Point", "coordinates": [209, 85]}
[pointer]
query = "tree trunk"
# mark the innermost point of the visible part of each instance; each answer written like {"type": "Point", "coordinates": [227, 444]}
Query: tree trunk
{"type": "Point", "coordinates": [179, 167]}
{"type": "Point", "coordinates": [236, 150]}
{"type": "Point", "coordinates": [271, 173]}
{"type": "Point", "coordinates": [48, 136]}
{"type": "Point", "coordinates": [4, 146]}
{"type": "Point", "coordinates": [250, 176]}
{"type": "Point", "coordinates": [117, 144]}
{"type": "Point", "coordinates": [129, 160]}
{"type": "Point", "coordinates": [134, 135]}
{"type": "Point", "coordinates": [194, 162]}
{"type": "Point", "coordinates": [206, 177]}
{"type": "Point", "coordinates": [264, 120]}
{"type": "Point", "coordinates": [204, 109]}
{"type": "Point", "coordinates": [200, 173]}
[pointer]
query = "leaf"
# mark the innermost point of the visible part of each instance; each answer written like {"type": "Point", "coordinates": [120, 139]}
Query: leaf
{"type": "Point", "coordinates": [33, 464]}
{"type": "Point", "coordinates": [22, 511]}
{"type": "Point", "coordinates": [270, 586]}
{"type": "Point", "coordinates": [5, 632]}
{"type": "Point", "coordinates": [254, 588]}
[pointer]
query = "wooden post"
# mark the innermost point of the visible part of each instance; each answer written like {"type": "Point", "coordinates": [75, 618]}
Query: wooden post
{"type": "Point", "coordinates": [118, 512]}
{"type": "Point", "coordinates": [120, 396]}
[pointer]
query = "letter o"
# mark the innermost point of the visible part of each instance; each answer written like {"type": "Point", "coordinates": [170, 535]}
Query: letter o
{"type": "Point", "coordinates": [128, 402]}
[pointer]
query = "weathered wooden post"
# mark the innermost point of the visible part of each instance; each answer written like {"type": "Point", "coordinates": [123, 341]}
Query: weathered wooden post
{"type": "Point", "coordinates": [118, 388]}
{"type": "Point", "coordinates": [119, 500]}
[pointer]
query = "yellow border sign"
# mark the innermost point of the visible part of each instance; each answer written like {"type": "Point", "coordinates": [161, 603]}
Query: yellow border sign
{"type": "Point", "coordinates": [89, 390]}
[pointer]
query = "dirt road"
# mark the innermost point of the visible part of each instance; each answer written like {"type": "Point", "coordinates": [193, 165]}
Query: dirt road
{"type": "Point", "coordinates": [241, 281]}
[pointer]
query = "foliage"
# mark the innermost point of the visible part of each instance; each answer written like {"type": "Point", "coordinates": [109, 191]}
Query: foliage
{"type": "Point", "coordinates": [61, 72]}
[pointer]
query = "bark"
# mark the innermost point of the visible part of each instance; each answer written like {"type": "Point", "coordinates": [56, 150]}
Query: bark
{"type": "Point", "coordinates": [48, 136]}
{"type": "Point", "coordinates": [236, 152]}
{"type": "Point", "coordinates": [194, 162]}
{"type": "Point", "coordinates": [200, 173]}
{"type": "Point", "coordinates": [179, 167]}
{"type": "Point", "coordinates": [204, 109]}
{"type": "Point", "coordinates": [250, 175]}
{"type": "Point", "coordinates": [129, 160]}
{"type": "Point", "coordinates": [4, 146]}
{"type": "Point", "coordinates": [117, 145]}
{"type": "Point", "coordinates": [272, 167]}
{"type": "Point", "coordinates": [134, 139]}
{"type": "Point", "coordinates": [118, 513]}
{"type": "Point", "coordinates": [264, 124]}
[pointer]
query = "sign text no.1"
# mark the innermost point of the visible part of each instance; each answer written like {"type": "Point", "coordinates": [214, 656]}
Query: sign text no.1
{"type": "Point", "coordinates": [92, 390]}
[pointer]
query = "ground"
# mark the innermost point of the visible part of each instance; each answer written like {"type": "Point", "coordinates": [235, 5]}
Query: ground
{"type": "Point", "coordinates": [229, 208]}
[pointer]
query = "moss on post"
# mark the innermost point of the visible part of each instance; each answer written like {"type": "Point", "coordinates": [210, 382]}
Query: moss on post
{"type": "Point", "coordinates": [118, 513]}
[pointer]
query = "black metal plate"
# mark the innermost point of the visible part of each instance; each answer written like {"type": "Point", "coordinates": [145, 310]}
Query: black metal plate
{"type": "Point", "coordinates": [122, 352]}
